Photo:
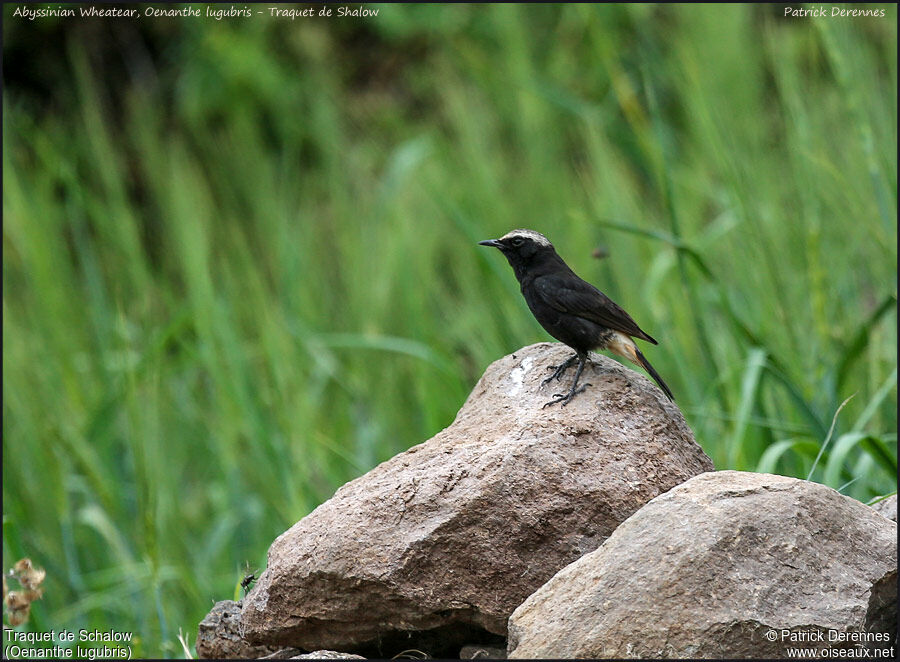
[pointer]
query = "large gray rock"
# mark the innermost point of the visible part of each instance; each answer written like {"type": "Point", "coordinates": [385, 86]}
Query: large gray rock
{"type": "Point", "coordinates": [453, 534]}
{"type": "Point", "coordinates": [727, 565]}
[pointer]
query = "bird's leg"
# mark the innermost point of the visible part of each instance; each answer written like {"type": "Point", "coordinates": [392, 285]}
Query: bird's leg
{"type": "Point", "coordinates": [567, 397]}
{"type": "Point", "coordinates": [559, 370]}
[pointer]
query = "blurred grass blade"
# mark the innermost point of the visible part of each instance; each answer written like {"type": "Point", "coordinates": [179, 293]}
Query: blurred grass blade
{"type": "Point", "coordinates": [848, 484]}
{"type": "Point", "coordinates": [837, 457]}
{"type": "Point", "coordinates": [768, 463]}
{"type": "Point", "coordinates": [873, 404]}
{"type": "Point", "coordinates": [880, 451]}
{"type": "Point", "coordinates": [818, 426]}
{"type": "Point", "coordinates": [861, 339]}
{"type": "Point", "coordinates": [753, 368]}
{"type": "Point", "coordinates": [394, 344]}
{"type": "Point", "coordinates": [828, 436]}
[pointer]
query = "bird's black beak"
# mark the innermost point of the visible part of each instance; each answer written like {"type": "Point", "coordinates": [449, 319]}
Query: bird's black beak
{"type": "Point", "coordinates": [490, 242]}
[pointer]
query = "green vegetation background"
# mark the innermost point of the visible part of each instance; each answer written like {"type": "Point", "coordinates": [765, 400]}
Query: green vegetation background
{"type": "Point", "coordinates": [240, 263]}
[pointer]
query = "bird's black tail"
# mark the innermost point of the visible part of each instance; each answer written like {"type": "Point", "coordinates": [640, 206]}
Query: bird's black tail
{"type": "Point", "coordinates": [645, 364]}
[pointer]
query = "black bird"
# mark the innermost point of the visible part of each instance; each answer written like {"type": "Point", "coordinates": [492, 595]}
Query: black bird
{"type": "Point", "coordinates": [570, 309]}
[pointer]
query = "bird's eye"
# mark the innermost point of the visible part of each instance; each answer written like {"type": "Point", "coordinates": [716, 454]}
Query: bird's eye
{"type": "Point", "coordinates": [517, 242]}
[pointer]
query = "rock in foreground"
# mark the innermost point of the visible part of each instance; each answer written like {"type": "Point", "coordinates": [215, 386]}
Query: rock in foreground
{"type": "Point", "coordinates": [453, 534]}
{"type": "Point", "coordinates": [727, 565]}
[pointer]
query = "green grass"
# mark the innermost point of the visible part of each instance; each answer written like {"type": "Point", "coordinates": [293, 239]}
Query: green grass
{"type": "Point", "coordinates": [249, 274]}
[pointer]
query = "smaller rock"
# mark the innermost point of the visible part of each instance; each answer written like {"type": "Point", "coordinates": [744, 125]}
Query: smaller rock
{"type": "Point", "coordinates": [219, 634]}
{"type": "Point", "coordinates": [887, 507]}
{"type": "Point", "coordinates": [482, 653]}
{"type": "Point", "coordinates": [728, 565]}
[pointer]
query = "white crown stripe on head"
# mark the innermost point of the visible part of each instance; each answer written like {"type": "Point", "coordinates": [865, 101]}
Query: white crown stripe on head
{"type": "Point", "coordinates": [536, 237]}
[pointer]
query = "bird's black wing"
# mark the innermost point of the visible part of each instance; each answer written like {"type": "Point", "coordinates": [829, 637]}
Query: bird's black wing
{"type": "Point", "coordinates": [569, 294]}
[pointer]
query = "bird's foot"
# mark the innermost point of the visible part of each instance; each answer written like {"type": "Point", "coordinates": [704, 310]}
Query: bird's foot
{"type": "Point", "coordinates": [566, 398]}
{"type": "Point", "coordinates": [560, 370]}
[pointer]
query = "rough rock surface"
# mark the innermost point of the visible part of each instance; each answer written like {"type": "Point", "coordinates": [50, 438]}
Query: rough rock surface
{"type": "Point", "coordinates": [219, 635]}
{"type": "Point", "coordinates": [327, 655]}
{"type": "Point", "coordinates": [712, 567]}
{"type": "Point", "coordinates": [451, 535]}
{"type": "Point", "coordinates": [887, 507]}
